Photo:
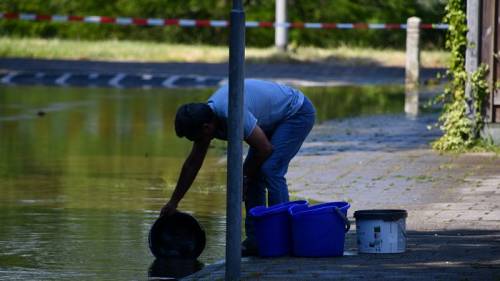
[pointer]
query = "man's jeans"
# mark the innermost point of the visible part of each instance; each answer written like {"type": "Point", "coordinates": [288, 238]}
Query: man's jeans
{"type": "Point", "coordinates": [286, 139]}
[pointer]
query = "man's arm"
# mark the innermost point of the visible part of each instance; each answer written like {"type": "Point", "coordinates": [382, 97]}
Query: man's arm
{"type": "Point", "coordinates": [189, 171]}
{"type": "Point", "coordinates": [263, 148]}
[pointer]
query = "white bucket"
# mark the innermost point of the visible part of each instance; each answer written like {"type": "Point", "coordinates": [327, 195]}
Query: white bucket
{"type": "Point", "coordinates": [381, 231]}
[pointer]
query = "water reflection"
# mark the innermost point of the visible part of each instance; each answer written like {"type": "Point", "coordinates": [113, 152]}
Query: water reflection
{"type": "Point", "coordinates": [81, 185]}
{"type": "Point", "coordinates": [171, 269]}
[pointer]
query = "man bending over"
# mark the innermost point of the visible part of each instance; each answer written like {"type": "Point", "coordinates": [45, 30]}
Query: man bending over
{"type": "Point", "coordinates": [277, 119]}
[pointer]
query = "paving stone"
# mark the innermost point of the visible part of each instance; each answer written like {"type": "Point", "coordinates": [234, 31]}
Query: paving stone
{"type": "Point", "coordinates": [451, 206]}
{"type": "Point", "coordinates": [471, 215]}
{"type": "Point", "coordinates": [488, 188]}
{"type": "Point", "coordinates": [493, 215]}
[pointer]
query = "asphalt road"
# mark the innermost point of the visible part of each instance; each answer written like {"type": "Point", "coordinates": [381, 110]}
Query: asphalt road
{"type": "Point", "coordinates": [177, 75]}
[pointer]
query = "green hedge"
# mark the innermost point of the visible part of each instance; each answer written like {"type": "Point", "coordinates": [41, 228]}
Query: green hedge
{"type": "Point", "coordinates": [376, 11]}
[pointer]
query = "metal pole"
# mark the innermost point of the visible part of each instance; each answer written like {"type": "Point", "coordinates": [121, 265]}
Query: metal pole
{"type": "Point", "coordinates": [235, 146]}
{"type": "Point", "coordinates": [281, 31]}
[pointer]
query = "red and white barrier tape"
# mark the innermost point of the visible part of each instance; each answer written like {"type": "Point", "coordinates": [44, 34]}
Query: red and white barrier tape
{"type": "Point", "coordinates": [207, 23]}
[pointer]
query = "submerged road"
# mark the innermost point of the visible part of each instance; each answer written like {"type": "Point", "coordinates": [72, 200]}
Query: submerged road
{"type": "Point", "coordinates": [178, 75]}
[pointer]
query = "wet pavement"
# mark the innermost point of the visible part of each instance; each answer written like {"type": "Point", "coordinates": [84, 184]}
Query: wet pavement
{"type": "Point", "coordinates": [385, 161]}
{"type": "Point", "coordinates": [433, 255]}
{"type": "Point", "coordinates": [178, 75]}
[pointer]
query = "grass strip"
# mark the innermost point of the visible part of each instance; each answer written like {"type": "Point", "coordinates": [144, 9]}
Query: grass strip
{"type": "Point", "coordinates": [140, 51]}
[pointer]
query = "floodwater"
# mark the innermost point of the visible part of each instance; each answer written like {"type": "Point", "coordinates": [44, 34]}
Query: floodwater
{"type": "Point", "coordinates": [84, 172]}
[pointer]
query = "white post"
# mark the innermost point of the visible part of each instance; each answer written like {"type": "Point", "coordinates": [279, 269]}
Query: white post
{"type": "Point", "coordinates": [281, 31]}
{"type": "Point", "coordinates": [412, 73]}
{"type": "Point", "coordinates": [472, 52]}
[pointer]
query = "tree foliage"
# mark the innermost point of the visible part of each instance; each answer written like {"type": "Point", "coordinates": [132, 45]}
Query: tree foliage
{"type": "Point", "coordinates": [373, 11]}
{"type": "Point", "coordinates": [461, 128]}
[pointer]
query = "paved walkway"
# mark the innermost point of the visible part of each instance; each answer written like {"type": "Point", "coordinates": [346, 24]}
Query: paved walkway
{"type": "Point", "coordinates": [385, 162]}
{"type": "Point", "coordinates": [178, 75]}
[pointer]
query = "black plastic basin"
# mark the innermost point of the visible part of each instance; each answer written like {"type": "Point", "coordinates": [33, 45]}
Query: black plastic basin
{"type": "Point", "coordinates": [177, 236]}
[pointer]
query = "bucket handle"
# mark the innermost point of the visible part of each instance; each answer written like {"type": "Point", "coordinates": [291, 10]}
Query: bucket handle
{"type": "Point", "coordinates": [344, 218]}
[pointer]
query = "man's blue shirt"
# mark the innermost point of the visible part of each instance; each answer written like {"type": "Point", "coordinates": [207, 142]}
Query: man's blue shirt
{"type": "Point", "coordinates": [266, 104]}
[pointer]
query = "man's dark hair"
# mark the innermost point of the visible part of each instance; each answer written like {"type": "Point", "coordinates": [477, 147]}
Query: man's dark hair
{"type": "Point", "coordinates": [190, 119]}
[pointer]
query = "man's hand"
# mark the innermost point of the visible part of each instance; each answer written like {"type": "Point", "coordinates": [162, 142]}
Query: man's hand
{"type": "Point", "coordinates": [169, 209]}
{"type": "Point", "coordinates": [263, 149]}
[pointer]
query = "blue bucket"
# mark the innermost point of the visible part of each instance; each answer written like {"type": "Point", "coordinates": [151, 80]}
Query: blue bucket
{"type": "Point", "coordinates": [273, 229]}
{"type": "Point", "coordinates": [319, 230]}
